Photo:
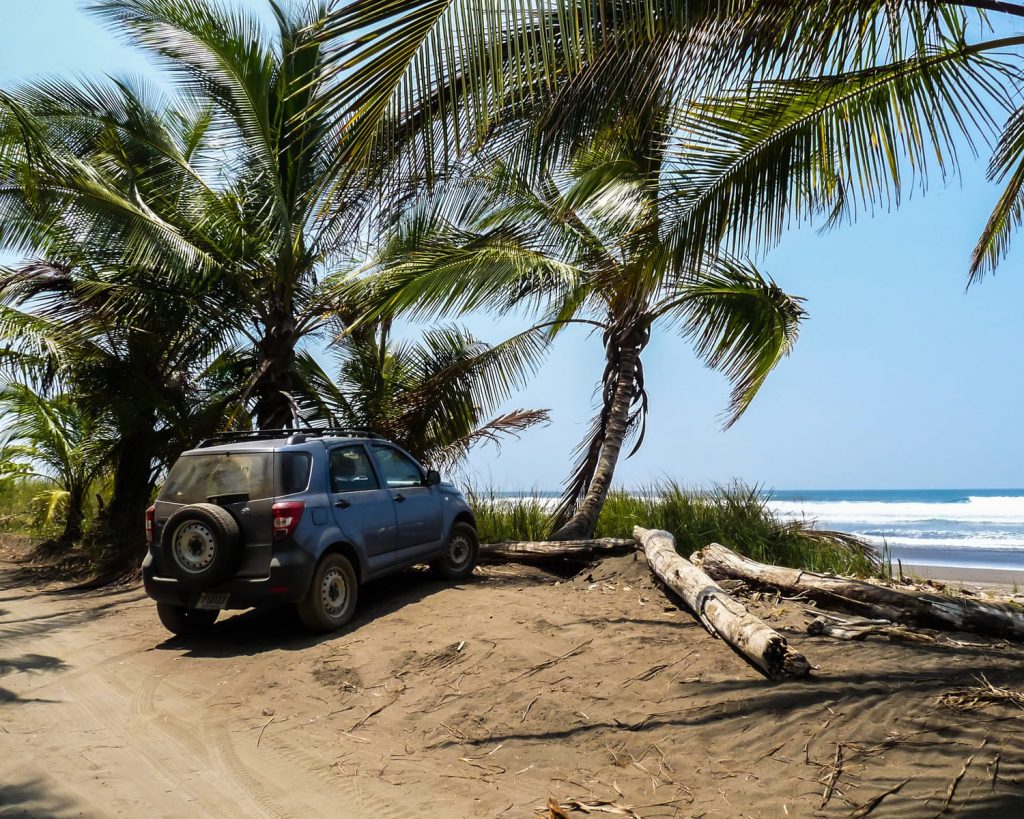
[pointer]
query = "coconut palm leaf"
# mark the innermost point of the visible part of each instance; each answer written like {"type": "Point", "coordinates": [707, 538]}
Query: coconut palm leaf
{"type": "Point", "coordinates": [430, 396]}
{"type": "Point", "coordinates": [429, 79]}
{"type": "Point", "coordinates": [1006, 166]}
{"type": "Point", "coordinates": [219, 54]}
{"type": "Point", "coordinates": [453, 271]}
{"type": "Point", "coordinates": [748, 165]}
{"type": "Point", "coordinates": [496, 431]}
{"type": "Point", "coordinates": [740, 322]}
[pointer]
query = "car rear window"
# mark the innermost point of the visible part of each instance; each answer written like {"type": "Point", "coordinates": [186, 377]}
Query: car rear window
{"type": "Point", "coordinates": [198, 478]}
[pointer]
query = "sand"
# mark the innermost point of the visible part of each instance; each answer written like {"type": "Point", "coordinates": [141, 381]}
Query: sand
{"type": "Point", "coordinates": [485, 699]}
{"type": "Point", "coordinates": [967, 575]}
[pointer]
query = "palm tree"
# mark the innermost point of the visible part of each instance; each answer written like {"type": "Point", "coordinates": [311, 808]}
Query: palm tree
{"type": "Point", "coordinates": [882, 91]}
{"type": "Point", "coordinates": [433, 396]}
{"type": "Point", "coordinates": [149, 380]}
{"type": "Point", "coordinates": [590, 246]}
{"type": "Point", "coordinates": [57, 440]}
{"type": "Point", "coordinates": [220, 190]}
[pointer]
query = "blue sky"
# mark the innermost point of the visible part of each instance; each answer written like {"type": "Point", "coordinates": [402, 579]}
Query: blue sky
{"type": "Point", "coordinates": [900, 379]}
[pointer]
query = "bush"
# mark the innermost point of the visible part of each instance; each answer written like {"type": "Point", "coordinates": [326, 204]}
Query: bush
{"type": "Point", "coordinates": [737, 516]}
{"type": "Point", "coordinates": [20, 512]}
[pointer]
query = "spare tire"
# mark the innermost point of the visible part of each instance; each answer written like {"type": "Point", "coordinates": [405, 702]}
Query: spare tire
{"type": "Point", "coordinates": [202, 544]}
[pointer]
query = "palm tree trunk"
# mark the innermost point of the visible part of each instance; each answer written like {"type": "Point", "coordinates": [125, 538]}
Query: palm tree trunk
{"type": "Point", "coordinates": [75, 515]}
{"type": "Point", "coordinates": [623, 361]}
{"type": "Point", "coordinates": [277, 358]}
{"type": "Point", "coordinates": [122, 529]}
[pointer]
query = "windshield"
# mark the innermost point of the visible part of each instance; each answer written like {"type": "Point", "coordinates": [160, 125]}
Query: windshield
{"type": "Point", "coordinates": [197, 478]}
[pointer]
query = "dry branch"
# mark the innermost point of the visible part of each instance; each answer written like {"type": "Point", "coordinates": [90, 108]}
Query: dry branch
{"type": "Point", "coordinates": [951, 790]}
{"type": "Point", "coordinates": [720, 614]}
{"type": "Point", "coordinates": [875, 801]}
{"type": "Point", "coordinates": [830, 785]}
{"type": "Point", "coordinates": [553, 549]}
{"type": "Point", "coordinates": [880, 602]}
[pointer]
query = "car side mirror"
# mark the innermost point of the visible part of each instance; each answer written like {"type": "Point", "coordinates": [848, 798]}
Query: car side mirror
{"type": "Point", "coordinates": [433, 477]}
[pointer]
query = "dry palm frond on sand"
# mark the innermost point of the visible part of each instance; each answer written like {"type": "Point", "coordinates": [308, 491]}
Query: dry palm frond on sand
{"type": "Point", "coordinates": [979, 696]}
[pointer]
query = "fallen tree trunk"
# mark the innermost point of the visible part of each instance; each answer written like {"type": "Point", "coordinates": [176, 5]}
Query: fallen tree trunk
{"type": "Point", "coordinates": [549, 549]}
{"type": "Point", "coordinates": [720, 614]}
{"type": "Point", "coordinates": [911, 608]}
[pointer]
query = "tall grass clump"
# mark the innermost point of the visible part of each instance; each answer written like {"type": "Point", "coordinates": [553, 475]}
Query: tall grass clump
{"type": "Point", "coordinates": [736, 515]}
{"type": "Point", "coordinates": [740, 517]}
{"type": "Point", "coordinates": [499, 519]}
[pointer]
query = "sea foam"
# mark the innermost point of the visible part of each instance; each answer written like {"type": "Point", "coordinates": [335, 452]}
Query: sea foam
{"type": "Point", "coordinates": [973, 509]}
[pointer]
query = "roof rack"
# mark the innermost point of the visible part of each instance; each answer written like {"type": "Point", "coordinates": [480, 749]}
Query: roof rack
{"type": "Point", "coordinates": [346, 432]}
{"type": "Point", "coordinates": [299, 435]}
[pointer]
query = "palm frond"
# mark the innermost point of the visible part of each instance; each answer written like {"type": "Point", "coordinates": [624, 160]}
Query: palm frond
{"type": "Point", "coordinates": [747, 166]}
{"type": "Point", "coordinates": [740, 323]}
{"type": "Point", "coordinates": [221, 54]}
{"type": "Point", "coordinates": [418, 83]}
{"type": "Point", "coordinates": [1006, 166]}
{"type": "Point", "coordinates": [495, 431]}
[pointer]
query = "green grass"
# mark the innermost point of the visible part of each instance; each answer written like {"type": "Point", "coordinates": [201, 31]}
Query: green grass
{"type": "Point", "coordinates": [500, 519]}
{"type": "Point", "coordinates": [736, 516]}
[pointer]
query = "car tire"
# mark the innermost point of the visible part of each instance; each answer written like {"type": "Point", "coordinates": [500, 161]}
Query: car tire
{"type": "Point", "coordinates": [331, 600]}
{"type": "Point", "coordinates": [202, 544]}
{"type": "Point", "coordinates": [186, 622]}
{"type": "Point", "coordinates": [461, 554]}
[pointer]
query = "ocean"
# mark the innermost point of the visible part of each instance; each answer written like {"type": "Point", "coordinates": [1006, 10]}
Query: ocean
{"type": "Point", "coordinates": [973, 528]}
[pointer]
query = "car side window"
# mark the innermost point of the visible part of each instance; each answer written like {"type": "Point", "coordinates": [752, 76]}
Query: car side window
{"type": "Point", "coordinates": [351, 470]}
{"type": "Point", "coordinates": [399, 471]}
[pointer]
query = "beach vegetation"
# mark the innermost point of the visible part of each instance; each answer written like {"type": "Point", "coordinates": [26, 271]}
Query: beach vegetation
{"type": "Point", "coordinates": [736, 515]}
{"type": "Point", "coordinates": [58, 445]}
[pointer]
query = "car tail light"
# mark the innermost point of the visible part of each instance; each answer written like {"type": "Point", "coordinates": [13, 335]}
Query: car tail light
{"type": "Point", "coordinates": [286, 517]}
{"type": "Point", "coordinates": [150, 519]}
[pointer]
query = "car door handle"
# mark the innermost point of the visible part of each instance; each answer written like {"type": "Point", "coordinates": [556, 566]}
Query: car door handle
{"type": "Point", "coordinates": [341, 503]}
{"type": "Point", "coordinates": [399, 497]}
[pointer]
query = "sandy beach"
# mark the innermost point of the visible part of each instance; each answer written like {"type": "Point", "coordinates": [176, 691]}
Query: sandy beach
{"type": "Point", "coordinates": [487, 699]}
{"type": "Point", "coordinates": [970, 576]}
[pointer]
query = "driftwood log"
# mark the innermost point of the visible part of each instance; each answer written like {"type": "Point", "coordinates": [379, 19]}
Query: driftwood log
{"type": "Point", "coordinates": [828, 625]}
{"type": "Point", "coordinates": [719, 613]}
{"type": "Point", "coordinates": [549, 549]}
{"type": "Point", "coordinates": [879, 602]}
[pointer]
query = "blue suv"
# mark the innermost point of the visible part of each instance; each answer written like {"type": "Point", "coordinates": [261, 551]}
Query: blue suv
{"type": "Point", "coordinates": [278, 516]}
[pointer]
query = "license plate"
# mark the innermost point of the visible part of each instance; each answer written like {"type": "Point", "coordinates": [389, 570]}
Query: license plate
{"type": "Point", "coordinates": [213, 600]}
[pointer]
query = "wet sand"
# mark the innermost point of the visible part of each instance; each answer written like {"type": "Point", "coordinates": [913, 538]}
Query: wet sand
{"type": "Point", "coordinates": [973, 576]}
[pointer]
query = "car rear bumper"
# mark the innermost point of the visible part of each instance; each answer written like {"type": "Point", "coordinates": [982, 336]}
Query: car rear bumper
{"type": "Point", "coordinates": [291, 571]}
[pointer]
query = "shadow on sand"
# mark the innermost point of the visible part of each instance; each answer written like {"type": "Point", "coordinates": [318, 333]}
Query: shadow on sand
{"type": "Point", "coordinates": [275, 628]}
{"type": "Point", "coordinates": [32, 798]}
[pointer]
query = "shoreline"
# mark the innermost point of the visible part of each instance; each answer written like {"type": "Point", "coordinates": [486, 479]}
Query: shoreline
{"type": "Point", "coordinates": [974, 575]}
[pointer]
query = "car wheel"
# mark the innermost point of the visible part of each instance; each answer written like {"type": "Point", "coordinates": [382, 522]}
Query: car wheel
{"type": "Point", "coordinates": [186, 622]}
{"type": "Point", "coordinates": [202, 542]}
{"type": "Point", "coordinates": [460, 557]}
{"type": "Point", "coordinates": [333, 594]}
